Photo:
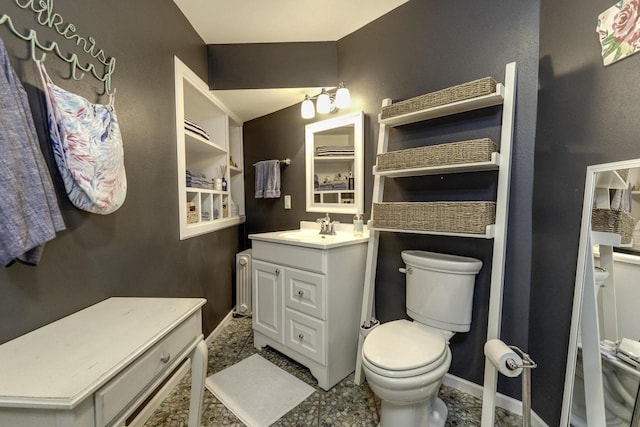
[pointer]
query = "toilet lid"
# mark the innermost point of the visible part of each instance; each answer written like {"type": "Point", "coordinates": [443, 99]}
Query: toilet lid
{"type": "Point", "coordinates": [402, 345]}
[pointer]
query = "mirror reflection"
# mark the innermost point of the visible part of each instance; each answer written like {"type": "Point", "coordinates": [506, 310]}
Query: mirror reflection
{"type": "Point", "coordinates": [334, 159]}
{"type": "Point", "coordinates": [604, 352]}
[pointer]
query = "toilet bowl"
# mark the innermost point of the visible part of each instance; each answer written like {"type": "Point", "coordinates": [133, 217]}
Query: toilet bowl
{"type": "Point", "coordinates": [406, 381]}
{"type": "Point", "coordinates": [404, 361]}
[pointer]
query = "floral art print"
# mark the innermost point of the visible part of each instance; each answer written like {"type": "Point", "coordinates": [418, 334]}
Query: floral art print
{"type": "Point", "coordinates": [619, 30]}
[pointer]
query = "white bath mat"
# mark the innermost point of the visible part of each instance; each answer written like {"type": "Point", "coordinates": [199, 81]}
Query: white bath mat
{"type": "Point", "coordinates": [257, 391]}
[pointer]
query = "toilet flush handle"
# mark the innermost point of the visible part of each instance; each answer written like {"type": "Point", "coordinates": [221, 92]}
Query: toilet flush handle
{"type": "Point", "coordinates": [406, 270]}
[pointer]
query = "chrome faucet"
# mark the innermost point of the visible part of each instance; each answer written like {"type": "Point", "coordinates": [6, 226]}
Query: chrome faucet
{"type": "Point", "coordinates": [327, 226]}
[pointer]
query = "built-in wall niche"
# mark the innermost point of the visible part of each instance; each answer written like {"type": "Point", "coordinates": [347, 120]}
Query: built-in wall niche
{"type": "Point", "coordinates": [210, 158]}
{"type": "Point", "coordinates": [334, 164]}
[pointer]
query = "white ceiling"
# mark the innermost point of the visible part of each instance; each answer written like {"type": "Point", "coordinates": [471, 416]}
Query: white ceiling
{"type": "Point", "coordinates": [270, 21]}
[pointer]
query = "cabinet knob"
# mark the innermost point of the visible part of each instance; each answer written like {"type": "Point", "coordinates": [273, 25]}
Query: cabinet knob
{"type": "Point", "coordinates": [300, 292]}
{"type": "Point", "coordinates": [277, 271]}
{"type": "Point", "coordinates": [301, 336]}
{"type": "Point", "coordinates": [165, 357]}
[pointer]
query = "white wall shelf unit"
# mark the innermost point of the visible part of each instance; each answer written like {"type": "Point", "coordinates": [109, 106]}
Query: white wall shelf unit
{"type": "Point", "coordinates": [505, 94]}
{"type": "Point", "coordinates": [203, 209]}
{"type": "Point", "coordinates": [495, 98]}
{"type": "Point", "coordinates": [489, 233]}
{"type": "Point", "coordinates": [493, 164]}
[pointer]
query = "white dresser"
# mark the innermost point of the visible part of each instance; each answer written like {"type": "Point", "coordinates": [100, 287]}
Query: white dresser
{"type": "Point", "coordinates": [96, 366]}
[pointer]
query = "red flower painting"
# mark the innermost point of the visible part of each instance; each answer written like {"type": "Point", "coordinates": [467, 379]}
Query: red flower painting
{"type": "Point", "coordinates": [619, 30]}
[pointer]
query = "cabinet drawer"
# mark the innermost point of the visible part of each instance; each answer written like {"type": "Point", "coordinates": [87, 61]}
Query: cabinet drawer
{"type": "Point", "coordinates": [305, 335]}
{"type": "Point", "coordinates": [112, 399]}
{"type": "Point", "coordinates": [305, 292]}
{"type": "Point", "coordinates": [290, 255]}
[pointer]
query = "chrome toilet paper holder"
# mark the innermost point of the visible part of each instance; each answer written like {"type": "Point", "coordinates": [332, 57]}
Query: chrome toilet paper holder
{"type": "Point", "coordinates": [527, 361]}
{"type": "Point", "coordinates": [526, 365]}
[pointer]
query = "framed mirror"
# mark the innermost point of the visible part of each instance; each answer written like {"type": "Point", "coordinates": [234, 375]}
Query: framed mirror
{"type": "Point", "coordinates": [603, 363]}
{"type": "Point", "coordinates": [334, 164]}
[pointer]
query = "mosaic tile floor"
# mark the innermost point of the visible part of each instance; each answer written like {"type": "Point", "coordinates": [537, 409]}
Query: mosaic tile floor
{"type": "Point", "coordinates": [344, 405]}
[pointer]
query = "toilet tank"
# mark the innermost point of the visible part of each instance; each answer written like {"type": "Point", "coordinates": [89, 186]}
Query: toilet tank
{"type": "Point", "coordinates": [440, 289]}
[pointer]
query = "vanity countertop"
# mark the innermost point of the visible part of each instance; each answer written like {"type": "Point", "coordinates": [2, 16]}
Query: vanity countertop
{"type": "Point", "coordinates": [308, 236]}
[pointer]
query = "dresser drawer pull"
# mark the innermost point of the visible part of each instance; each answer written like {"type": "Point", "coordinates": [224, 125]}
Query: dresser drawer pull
{"type": "Point", "coordinates": [300, 292]}
{"type": "Point", "coordinates": [277, 271]}
{"type": "Point", "coordinates": [301, 336]}
{"type": "Point", "coordinates": [165, 357]}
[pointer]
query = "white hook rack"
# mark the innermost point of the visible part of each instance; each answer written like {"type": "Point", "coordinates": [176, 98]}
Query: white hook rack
{"type": "Point", "coordinates": [32, 38]}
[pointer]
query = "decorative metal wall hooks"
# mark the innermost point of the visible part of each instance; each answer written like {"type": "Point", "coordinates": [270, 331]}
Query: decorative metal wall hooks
{"type": "Point", "coordinates": [46, 17]}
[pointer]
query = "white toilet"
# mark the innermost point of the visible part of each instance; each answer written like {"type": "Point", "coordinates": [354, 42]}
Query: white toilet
{"type": "Point", "coordinates": [404, 361]}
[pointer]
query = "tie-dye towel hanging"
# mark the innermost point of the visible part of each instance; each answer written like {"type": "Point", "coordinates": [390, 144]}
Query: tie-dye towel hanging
{"type": "Point", "coordinates": [87, 147]}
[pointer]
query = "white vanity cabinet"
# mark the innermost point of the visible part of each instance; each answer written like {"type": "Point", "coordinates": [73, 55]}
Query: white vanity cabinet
{"type": "Point", "coordinates": [306, 304]}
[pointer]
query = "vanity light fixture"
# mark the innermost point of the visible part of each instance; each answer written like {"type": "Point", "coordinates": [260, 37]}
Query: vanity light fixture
{"type": "Point", "coordinates": [325, 102]}
{"type": "Point", "coordinates": [307, 109]}
{"type": "Point", "coordinates": [343, 97]}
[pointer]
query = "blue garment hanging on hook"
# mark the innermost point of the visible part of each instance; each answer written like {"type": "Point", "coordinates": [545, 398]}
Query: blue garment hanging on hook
{"type": "Point", "coordinates": [29, 212]}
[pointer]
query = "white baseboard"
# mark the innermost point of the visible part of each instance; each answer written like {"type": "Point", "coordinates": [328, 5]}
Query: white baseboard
{"type": "Point", "coordinates": [504, 402]}
{"type": "Point", "coordinates": [219, 328]}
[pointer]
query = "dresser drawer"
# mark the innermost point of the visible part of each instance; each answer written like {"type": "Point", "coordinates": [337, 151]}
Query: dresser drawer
{"type": "Point", "coordinates": [112, 399]}
{"type": "Point", "coordinates": [305, 292]}
{"type": "Point", "coordinates": [305, 335]}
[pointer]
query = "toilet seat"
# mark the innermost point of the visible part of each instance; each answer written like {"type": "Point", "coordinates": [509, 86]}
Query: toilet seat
{"type": "Point", "coordinates": [402, 349]}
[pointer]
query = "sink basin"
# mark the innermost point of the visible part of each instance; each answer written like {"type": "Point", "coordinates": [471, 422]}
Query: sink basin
{"type": "Point", "coordinates": [309, 236]}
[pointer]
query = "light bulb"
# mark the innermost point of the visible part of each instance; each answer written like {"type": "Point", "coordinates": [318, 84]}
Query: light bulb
{"type": "Point", "coordinates": [343, 97]}
{"type": "Point", "coordinates": [323, 105]}
{"type": "Point", "coordinates": [307, 110]}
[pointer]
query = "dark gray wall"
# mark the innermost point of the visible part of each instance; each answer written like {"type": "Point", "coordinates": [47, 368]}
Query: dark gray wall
{"type": "Point", "coordinates": [420, 47]}
{"type": "Point", "coordinates": [587, 114]}
{"type": "Point", "coordinates": [135, 251]}
{"type": "Point", "coordinates": [304, 64]}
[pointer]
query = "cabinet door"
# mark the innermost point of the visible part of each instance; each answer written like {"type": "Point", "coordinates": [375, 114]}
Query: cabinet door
{"type": "Point", "coordinates": [268, 283]}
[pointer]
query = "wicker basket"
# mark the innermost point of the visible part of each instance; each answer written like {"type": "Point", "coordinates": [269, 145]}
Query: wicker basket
{"type": "Point", "coordinates": [472, 151]}
{"type": "Point", "coordinates": [624, 173]}
{"type": "Point", "coordinates": [613, 221]}
{"type": "Point", "coordinates": [480, 87]}
{"type": "Point", "coordinates": [443, 217]}
{"type": "Point", "coordinates": [192, 213]}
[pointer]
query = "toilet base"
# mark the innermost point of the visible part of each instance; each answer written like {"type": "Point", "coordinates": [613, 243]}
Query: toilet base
{"type": "Point", "coordinates": [429, 413]}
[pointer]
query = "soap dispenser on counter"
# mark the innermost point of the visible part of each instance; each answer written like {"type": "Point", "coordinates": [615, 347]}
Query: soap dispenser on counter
{"type": "Point", "coordinates": [358, 226]}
